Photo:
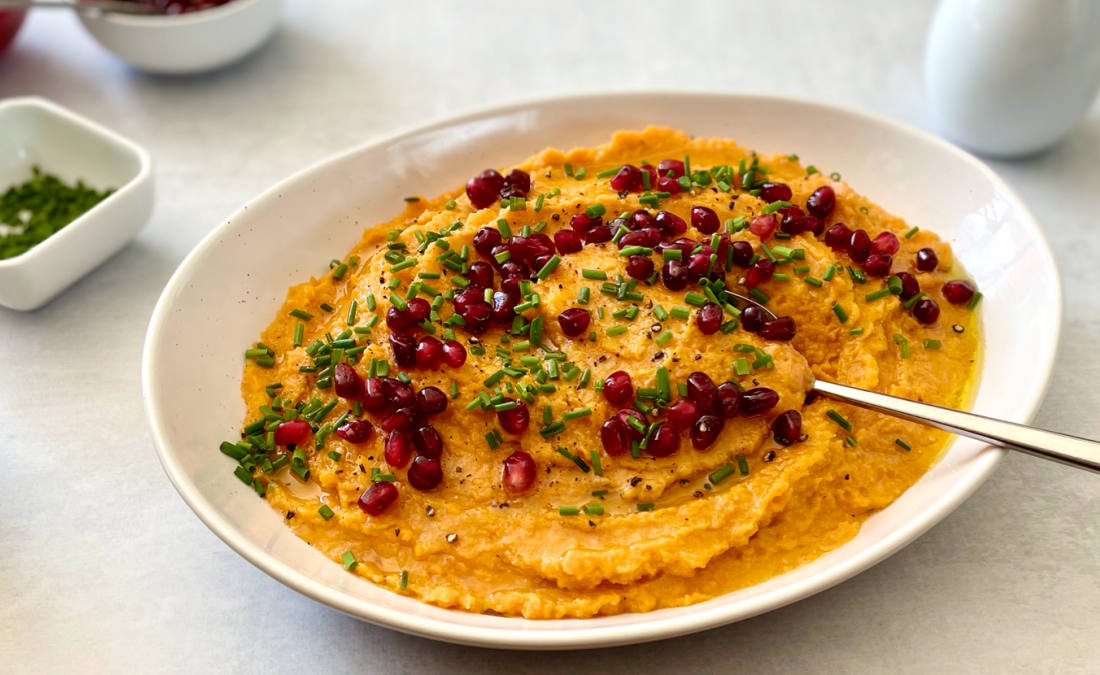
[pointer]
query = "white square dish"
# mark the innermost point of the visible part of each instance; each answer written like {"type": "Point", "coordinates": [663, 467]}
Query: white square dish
{"type": "Point", "coordinates": [35, 132]}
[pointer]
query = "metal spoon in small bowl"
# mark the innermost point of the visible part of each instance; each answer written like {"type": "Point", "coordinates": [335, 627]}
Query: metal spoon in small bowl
{"type": "Point", "coordinates": [1077, 452]}
{"type": "Point", "coordinates": [91, 8]}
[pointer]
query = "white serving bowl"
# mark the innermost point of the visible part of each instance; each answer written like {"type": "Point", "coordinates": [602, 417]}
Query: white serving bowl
{"type": "Point", "coordinates": [191, 43]}
{"type": "Point", "coordinates": [36, 132]}
{"type": "Point", "coordinates": [230, 287]}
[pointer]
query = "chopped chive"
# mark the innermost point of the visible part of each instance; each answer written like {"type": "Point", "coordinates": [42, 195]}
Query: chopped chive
{"type": "Point", "coordinates": [595, 211]}
{"type": "Point", "coordinates": [616, 330]}
{"type": "Point", "coordinates": [568, 511]}
{"type": "Point", "coordinates": [579, 173]}
{"type": "Point", "coordinates": [594, 274]}
{"type": "Point", "coordinates": [974, 300]}
{"type": "Point", "coordinates": [741, 366]}
{"type": "Point", "coordinates": [908, 304]}
{"type": "Point", "coordinates": [881, 293]}
{"type": "Point", "coordinates": [830, 271]}
{"type": "Point", "coordinates": [576, 414]}
{"type": "Point", "coordinates": [348, 558]}
{"type": "Point", "coordinates": [839, 419]}
{"type": "Point", "coordinates": [341, 270]}
{"type": "Point", "coordinates": [722, 473]}
{"type": "Point", "coordinates": [856, 331]}
{"type": "Point", "coordinates": [404, 580]}
{"type": "Point", "coordinates": [743, 465]}
{"type": "Point", "coordinates": [902, 444]}
{"type": "Point", "coordinates": [695, 299]}
{"type": "Point", "coordinates": [538, 202]}
{"type": "Point", "coordinates": [549, 267]}
{"type": "Point", "coordinates": [932, 344]}
{"type": "Point", "coordinates": [325, 512]}
{"type": "Point", "coordinates": [552, 430]}
{"type": "Point", "coordinates": [646, 506]}
{"type": "Point", "coordinates": [593, 509]}
{"type": "Point", "coordinates": [911, 232]}
{"type": "Point", "coordinates": [759, 295]}
{"type": "Point", "coordinates": [779, 276]}
{"type": "Point", "coordinates": [840, 313]}
{"type": "Point", "coordinates": [851, 441]}
{"type": "Point", "coordinates": [351, 312]}
{"type": "Point", "coordinates": [812, 281]}
{"type": "Point", "coordinates": [299, 314]}
{"type": "Point", "coordinates": [680, 312]}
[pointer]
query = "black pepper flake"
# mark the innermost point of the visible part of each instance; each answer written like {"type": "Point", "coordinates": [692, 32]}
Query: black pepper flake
{"type": "Point", "coordinates": [698, 357]}
{"type": "Point", "coordinates": [430, 511]}
{"type": "Point", "coordinates": [397, 532]}
{"type": "Point", "coordinates": [555, 217]}
{"type": "Point", "coordinates": [635, 480]}
{"type": "Point", "coordinates": [289, 515]}
{"type": "Point", "coordinates": [847, 476]}
{"type": "Point", "coordinates": [698, 494]}
{"type": "Point", "coordinates": [706, 486]}
{"type": "Point", "coordinates": [362, 468]}
{"type": "Point", "coordinates": [655, 328]}
{"type": "Point", "coordinates": [591, 524]}
{"type": "Point", "coordinates": [658, 356]}
{"type": "Point", "coordinates": [602, 358]}
{"type": "Point", "coordinates": [769, 456]}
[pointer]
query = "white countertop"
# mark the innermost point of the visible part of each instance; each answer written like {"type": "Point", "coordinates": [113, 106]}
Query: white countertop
{"type": "Point", "coordinates": [103, 568]}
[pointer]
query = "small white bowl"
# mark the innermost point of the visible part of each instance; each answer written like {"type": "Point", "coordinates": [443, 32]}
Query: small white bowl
{"type": "Point", "coordinates": [232, 284]}
{"type": "Point", "coordinates": [36, 132]}
{"type": "Point", "coordinates": [185, 44]}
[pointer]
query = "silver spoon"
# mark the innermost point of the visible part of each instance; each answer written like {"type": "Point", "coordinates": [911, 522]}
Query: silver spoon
{"type": "Point", "coordinates": [91, 8]}
{"type": "Point", "coordinates": [1078, 452]}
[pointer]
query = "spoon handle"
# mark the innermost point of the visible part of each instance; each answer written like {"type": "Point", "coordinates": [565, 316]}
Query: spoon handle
{"type": "Point", "coordinates": [1078, 452]}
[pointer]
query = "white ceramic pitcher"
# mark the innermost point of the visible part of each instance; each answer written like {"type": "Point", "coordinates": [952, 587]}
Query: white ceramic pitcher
{"type": "Point", "coordinates": [1010, 78]}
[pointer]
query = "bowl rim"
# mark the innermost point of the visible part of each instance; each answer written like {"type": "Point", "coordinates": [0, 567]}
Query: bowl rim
{"type": "Point", "coordinates": [171, 20]}
{"type": "Point", "coordinates": [704, 617]}
{"type": "Point", "coordinates": [145, 169]}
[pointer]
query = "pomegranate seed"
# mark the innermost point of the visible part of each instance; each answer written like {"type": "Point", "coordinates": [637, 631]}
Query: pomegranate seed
{"type": "Point", "coordinates": [675, 275]}
{"type": "Point", "coordinates": [519, 181]}
{"type": "Point", "coordinates": [683, 413]}
{"type": "Point", "coordinates": [796, 226]}
{"type": "Point", "coordinates": [886, 242]}
{"type": "Point", "coordinates": [629, 178]}
{"type": "Point", "coordinates": [428, 442]}
{"type": "Point", "coordinates": [568, 241]}
{"type": "Point", "coordinates": [878, 264]}
{"type": "Point", "coordinates": [526, 248]}
{"type": "Point", "coordinates": [574, 321]}
{"type": "Point", "coordinates": [758, 400]}
{"type": "Point", "coordinates": [641, 219]}
{"type": "Point", "coordinates": [787, 428]}
{"type": "Point", "coordinates": [727, 400]}
{"type": "Point", "coordinates": [820, 204]}
{"type": "Point", "coordinates": [399, 449]}
{"type": "Point", "coordinates": [709, 318]}
{"type": "Point", "coordinates": [673, 165]}
{"type": "Point", "coordinates": [698, 266]}
{"type": "Point", "coordinates": [581, 223]}
{"type": "Point", "coordinates": [374, 396]}
{"type": "Point", "coordinates": [775, 192]}
{"type": "Point", "coordinates": [397, 393]}
{"type": "Point", "coordinates": [348, 383]}
{"type": "Point", "coordinates": [669, 185]}
{"type": "Point", "coordinates": [702, 391]}
{"type": "Point", "coordinates": [538, 262]}
{"type": "Point", "coordinates": [425, 473]}
{"type": "Point", "coordinates": [402, 419]}
{"type": "Point", "coordinates": [742, 253]}
{"type": "Point", "coordinates": [664, 442]}
{"type": "Point", "coordinates": [430, 401]}
{"type": "Point", "coordinates": [418, 310]}
{"type": "Point", "coordinates": [514, 269]}
{"type": "Point", "coordinates": [404, 349]}
{"type": "Point", "coordinates": [477, 316]}
{"type": "Point", "coordinates": [778, 330]}
{"type": "Point", "coordinates": [958, 291]}
{"type": "Point", "coordinates": [292, 432]}
{"type": "Point", "coordinates": [454, 354]}
{"type": "Point", "coordinates": [429, 352]}
{"type": "Point", "coordinates": [815, 225]}
{"type": "Point", "coordinates": [625, 415]}
{"type": "Point", "coordinates": [648, 168]}
{"type": "Point", "coordinates": [519, 472]}
{"type": "Point", "coordinates": [480, 275]}
{"type": "Point", "coordinates": [705, 220]}
{"type": "Point", "coordinates": [504, 307]}
{"type": "Point", "coordinates": [648, 237]}
{"type": "Point", "coordinates": [598, 234]}
{"type": "Point", "coordinates": [515, 421]}
{"type": "Point", "coordinates": [760, 272]}
{"type": "Point", "coordinates": [396, 320]}
{"type": "Point", "coordinates": [357, 431]}
{"type": "Point", "coordinates": [484, 189]}
{"type": "Point", "coordinates": [705, 431]}
{"type": "Point", "coordinates": [859, 248]}
{"type": "Point", "coordinates": [909, 285]}
{"type": "Point", "coordinates": [763, 226]}
{"type": "Point", "coordinates": [927, 260]}
{"type": "Point", "coordinates": [838, 237]}
{"type": "Point", "coordinates": [753, 318]}
{"type": "Point", "coordinates": [486, 239]}
{"type": "Point", "coordinates": [670, 224]}
{"type": "Point", "coordinates": [465, 298]}
{"type": "Point", "coordinates": [618, 388]}
{"type": "Point", "coordinates": [613, 437]}
{"type": "Point", "coordinates": [377, 498]}
{"type": "Point", "coordinates": [926, 311]}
